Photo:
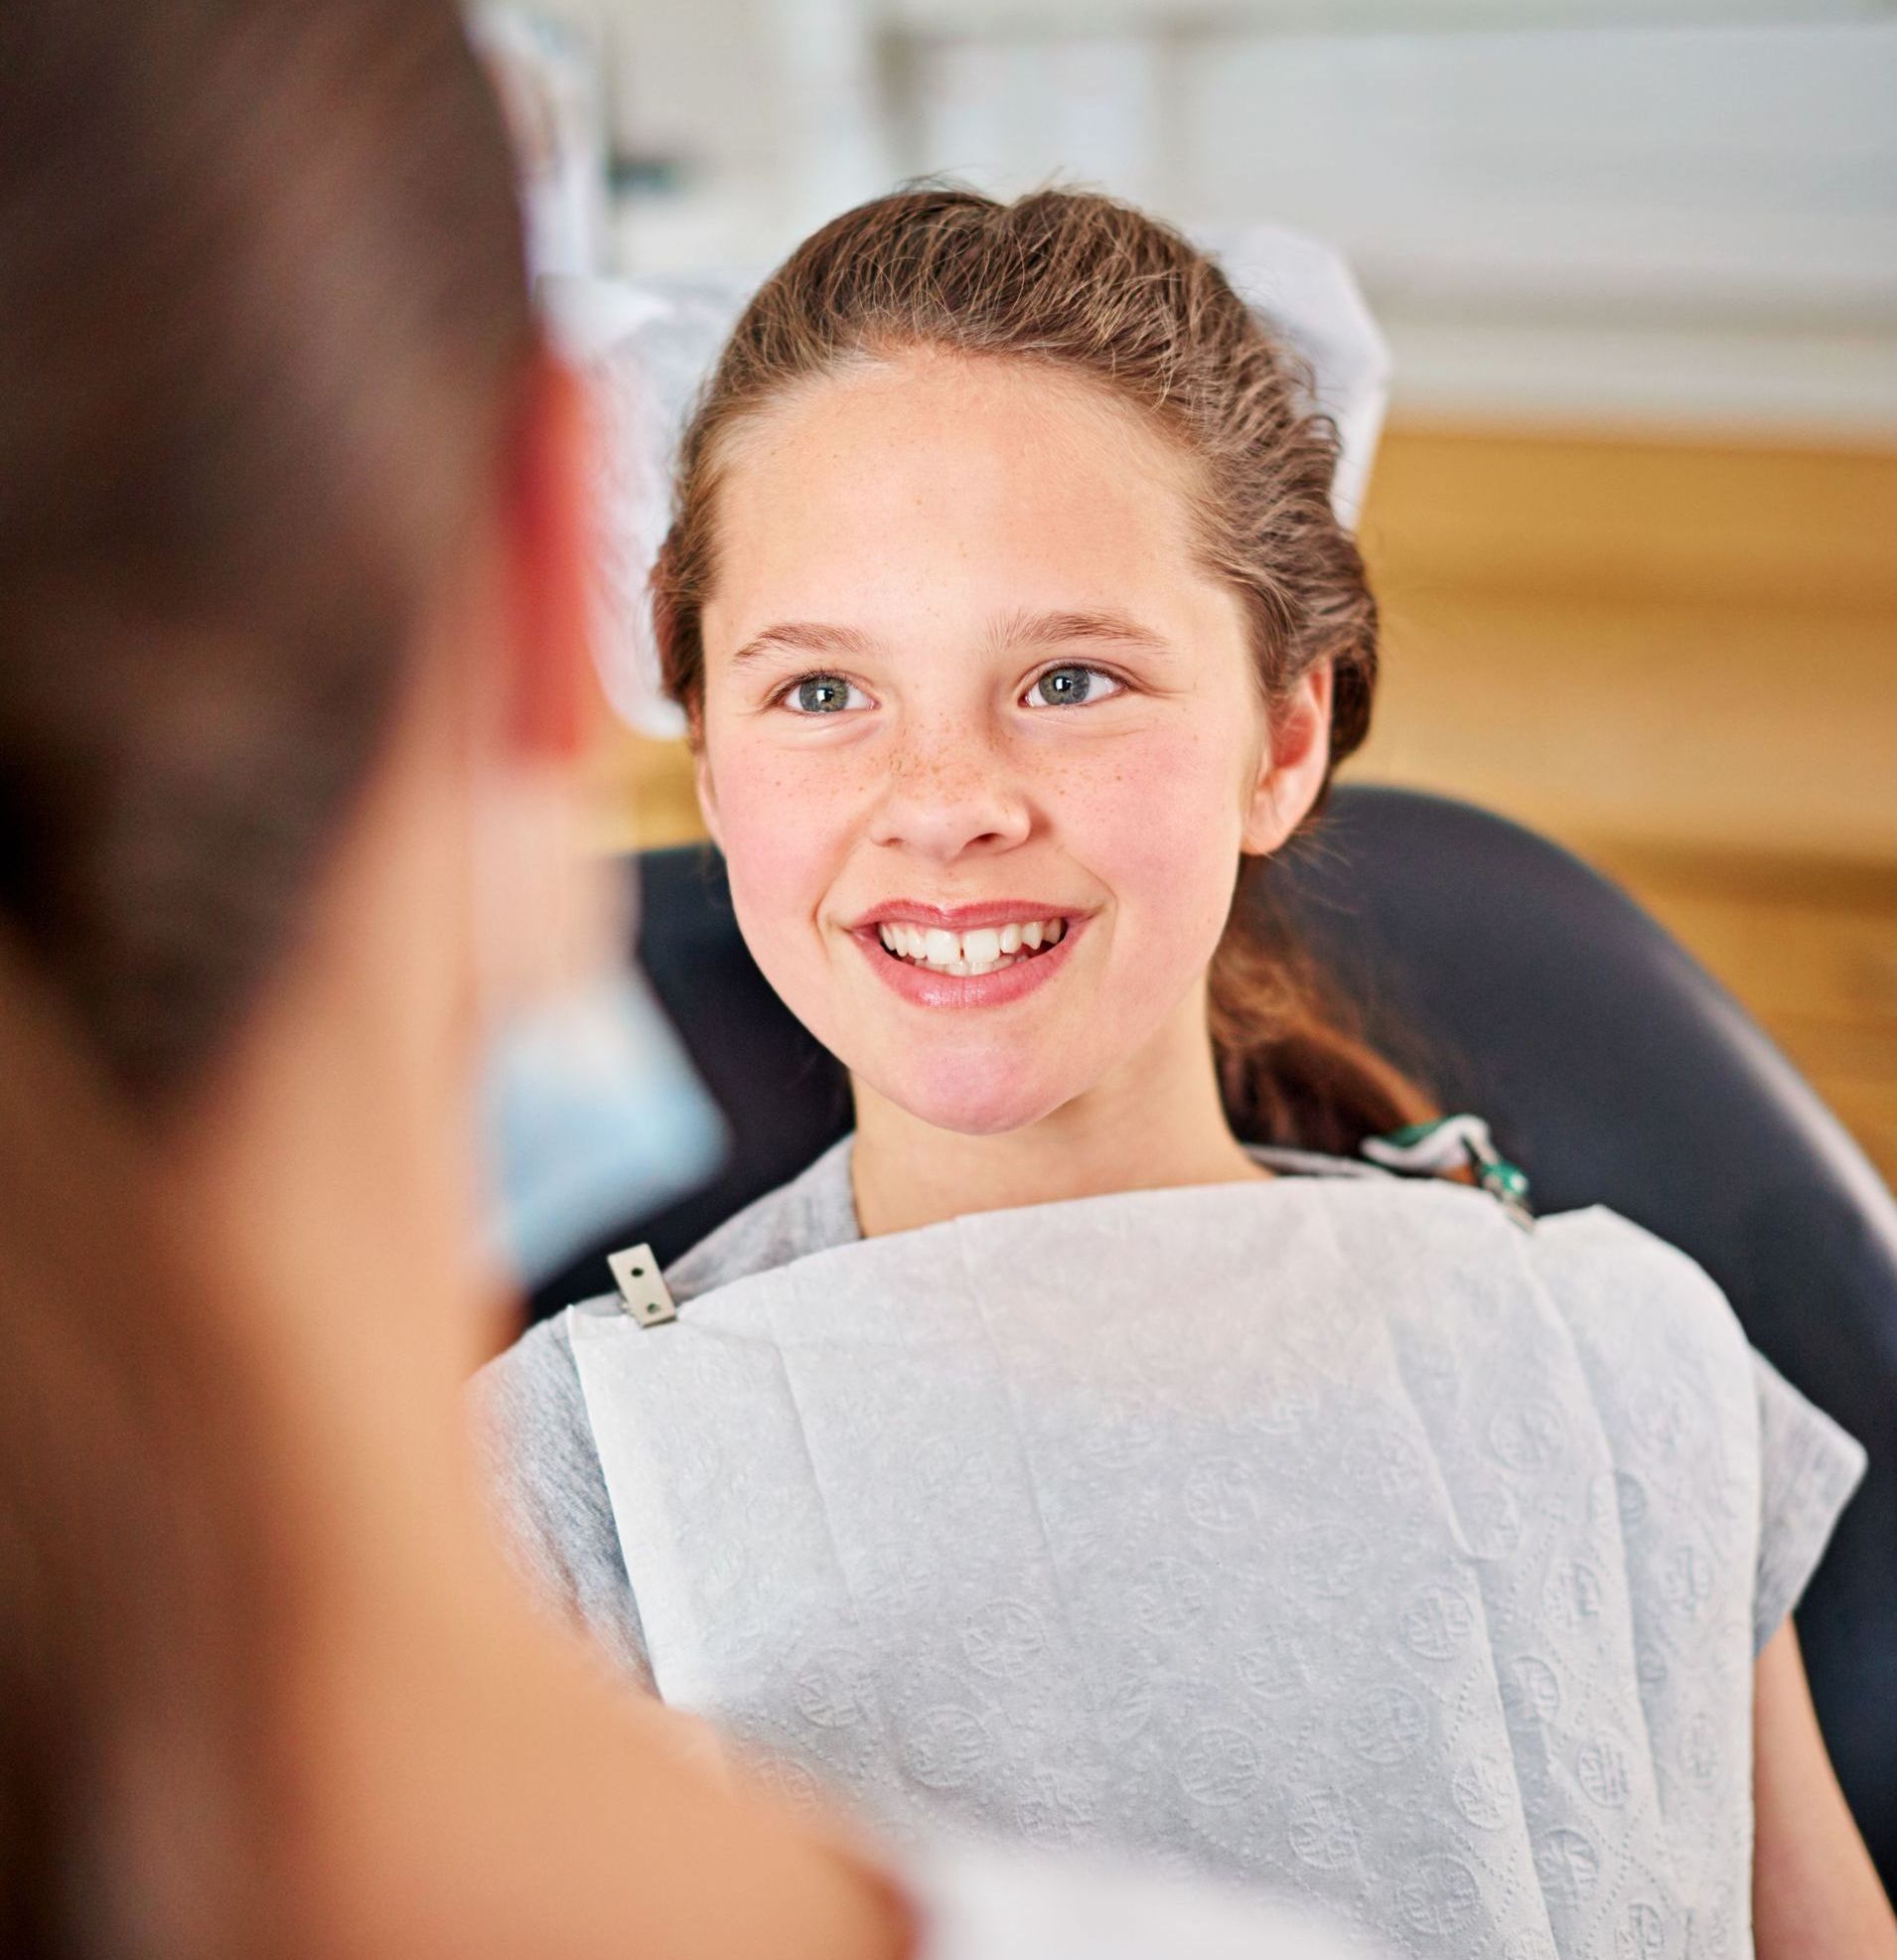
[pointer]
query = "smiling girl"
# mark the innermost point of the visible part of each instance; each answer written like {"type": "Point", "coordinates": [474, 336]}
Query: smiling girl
{"type": "Point", "coordinates": [1408, 1558]}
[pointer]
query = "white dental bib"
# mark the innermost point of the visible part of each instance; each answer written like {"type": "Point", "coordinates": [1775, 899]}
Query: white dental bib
{"type": "Point", "coordinates": [1335, 1535]}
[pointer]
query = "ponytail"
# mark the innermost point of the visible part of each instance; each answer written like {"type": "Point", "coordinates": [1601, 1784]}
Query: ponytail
{"type": "Point", "coordinates": [1294, 1066]}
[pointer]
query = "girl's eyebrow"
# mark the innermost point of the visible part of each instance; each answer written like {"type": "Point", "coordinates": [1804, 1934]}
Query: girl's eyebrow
{"type": "Point", "coordinates": [800, 636]}
{"type": "Point", "coordinates": [1058, 628]}
{"type": "Point", "coordinates": [1045, 629]}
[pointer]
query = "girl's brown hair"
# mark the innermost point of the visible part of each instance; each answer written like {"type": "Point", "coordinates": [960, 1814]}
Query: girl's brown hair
{"type": "Point", "coordinates": [1079, 282]}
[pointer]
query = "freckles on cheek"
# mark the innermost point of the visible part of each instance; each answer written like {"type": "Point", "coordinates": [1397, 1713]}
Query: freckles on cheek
{"type": "Point", "coordinates": [1158, 825]}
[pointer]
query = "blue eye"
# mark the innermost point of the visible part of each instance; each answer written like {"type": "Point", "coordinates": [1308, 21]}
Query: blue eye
{"type": "Point", "coordinates": [823, 693]}
{"type": "Point", "coordinates": [1069, 687]}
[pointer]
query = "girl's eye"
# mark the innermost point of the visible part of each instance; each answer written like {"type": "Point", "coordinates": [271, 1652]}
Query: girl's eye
{"type": "Point", "coordinates": [824, 693]}
{"type": "Point", "coordinates": [1069, 687]}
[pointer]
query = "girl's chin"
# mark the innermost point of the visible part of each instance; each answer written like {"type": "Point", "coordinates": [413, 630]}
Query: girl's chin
{"type": "Point", "coordinates": [970, 1102]}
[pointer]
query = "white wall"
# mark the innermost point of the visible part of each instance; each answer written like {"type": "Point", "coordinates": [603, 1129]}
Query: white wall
{"type": "Point", "coordinates": [1695, 221]}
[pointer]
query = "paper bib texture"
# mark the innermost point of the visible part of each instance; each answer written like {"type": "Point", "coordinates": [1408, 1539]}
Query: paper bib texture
{"type": "Point", "coordinates": [1340, 1537]}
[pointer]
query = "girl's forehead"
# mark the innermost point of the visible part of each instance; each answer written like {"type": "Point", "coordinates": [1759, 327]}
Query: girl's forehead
{"type": "Point", "coordinates": [951, 481]}
{"type": "Point", "coordinates": [981, 410]}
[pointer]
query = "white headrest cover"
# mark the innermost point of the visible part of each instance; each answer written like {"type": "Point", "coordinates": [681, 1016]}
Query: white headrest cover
{"type": "Point", "coordinates": [648, 345]}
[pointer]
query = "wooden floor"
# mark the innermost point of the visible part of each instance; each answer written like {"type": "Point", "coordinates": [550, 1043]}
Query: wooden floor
{"type": "Point", "coordinates": [1677, 658]}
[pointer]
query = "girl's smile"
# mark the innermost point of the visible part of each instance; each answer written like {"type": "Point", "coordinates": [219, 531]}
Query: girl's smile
{"type": "Point", "coordinates": [974, 956]}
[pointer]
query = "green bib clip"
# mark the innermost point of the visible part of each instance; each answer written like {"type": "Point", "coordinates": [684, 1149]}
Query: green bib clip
{"type": "Point", "coordinates": [1450, 1144]}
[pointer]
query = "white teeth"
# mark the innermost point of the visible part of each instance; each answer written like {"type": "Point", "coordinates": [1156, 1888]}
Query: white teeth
{"type": "Point", "coordinates": [969, 954]}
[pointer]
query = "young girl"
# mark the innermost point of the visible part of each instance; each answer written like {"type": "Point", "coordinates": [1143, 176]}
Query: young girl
{"type": "Point", "coordinates": [1046, 1454]}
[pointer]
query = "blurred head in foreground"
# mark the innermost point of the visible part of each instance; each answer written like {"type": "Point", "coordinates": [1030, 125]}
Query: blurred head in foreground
{"type": "Point", "coordinates": [292, 597]}
{"type": "Point", "coordinates": [265, 482]}
{"type": "Point", "coordinates": [291, 586]}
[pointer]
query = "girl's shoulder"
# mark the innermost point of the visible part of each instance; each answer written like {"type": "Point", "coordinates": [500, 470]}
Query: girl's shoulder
{"type": "Point", "coordinates": [1621, 1270]}
{"type": "Point", "coordinates": [1455, 1268]}
{"type": "Point", "coordinates": [1465, 1223]}
{"type": "Point", "coordinates": [1656, 1339]}
{"type": "Point", "coordinates": [1606, 1275]}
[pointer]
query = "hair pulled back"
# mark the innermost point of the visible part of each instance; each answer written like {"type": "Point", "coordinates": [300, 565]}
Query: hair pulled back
{"type": "Point", "coordinates": [262, 313]}
{"type": "Point", "coordinates": [1094, 288]}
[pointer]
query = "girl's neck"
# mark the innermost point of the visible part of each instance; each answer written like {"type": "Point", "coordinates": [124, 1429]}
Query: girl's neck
{"type": "Point", "coordinates": [1156, 1124]}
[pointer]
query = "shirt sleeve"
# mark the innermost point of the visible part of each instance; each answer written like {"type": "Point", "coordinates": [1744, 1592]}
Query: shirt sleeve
{"type": "Point", "coordinates": [534, 1447]}
{"type": "Point", "coordinates": [1808, 1469]}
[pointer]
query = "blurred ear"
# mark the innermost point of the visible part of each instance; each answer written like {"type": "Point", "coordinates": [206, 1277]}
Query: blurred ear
{"type": "Point", "coordinates": [549, 544]}
{"type": "Point", "coordinates": [1291, 772]}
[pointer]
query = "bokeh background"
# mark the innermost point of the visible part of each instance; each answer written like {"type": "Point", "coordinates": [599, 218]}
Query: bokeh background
{"type": "Point", "coordinates": [1634, 520]}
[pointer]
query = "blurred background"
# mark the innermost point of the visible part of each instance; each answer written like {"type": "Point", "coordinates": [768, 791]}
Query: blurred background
{"type": "Point", "coordinates": [1634, 517]}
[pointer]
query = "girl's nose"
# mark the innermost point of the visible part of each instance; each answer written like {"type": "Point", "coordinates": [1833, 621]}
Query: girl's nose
{"type": "Point", "coordinates": [945, 798]}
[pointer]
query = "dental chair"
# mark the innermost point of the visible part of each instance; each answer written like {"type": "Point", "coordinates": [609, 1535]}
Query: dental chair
{"type": "Point", "coordinates": [1613, 1068]}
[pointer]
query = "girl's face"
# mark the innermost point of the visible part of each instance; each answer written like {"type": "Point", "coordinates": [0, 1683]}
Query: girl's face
{"type": "Point", "coordinates": [982, 741]}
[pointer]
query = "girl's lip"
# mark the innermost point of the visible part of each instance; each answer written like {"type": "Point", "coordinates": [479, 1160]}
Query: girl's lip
{"type": "Point", "coordinates": [924, 988]}
{"type": "Point", "coordinates": [959, 918]}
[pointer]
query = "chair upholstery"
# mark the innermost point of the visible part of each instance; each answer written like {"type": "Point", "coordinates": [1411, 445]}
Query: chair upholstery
{"type": "Point", "coordinates": [1611, 1066]}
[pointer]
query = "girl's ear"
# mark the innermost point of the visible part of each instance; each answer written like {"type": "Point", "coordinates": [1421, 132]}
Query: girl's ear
{"type": "Point", "coordinates": [1291, 772]}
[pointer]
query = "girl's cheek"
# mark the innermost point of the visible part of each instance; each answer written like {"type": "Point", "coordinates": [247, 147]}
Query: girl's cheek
{"type": "Point", "coordinates": [1153, 822]}
{"type": "Point", "coordinates": [780, 821]}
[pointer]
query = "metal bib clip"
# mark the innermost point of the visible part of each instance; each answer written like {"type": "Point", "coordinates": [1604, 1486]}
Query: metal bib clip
{"type": "Point", "coordinates": [641, 1291]}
